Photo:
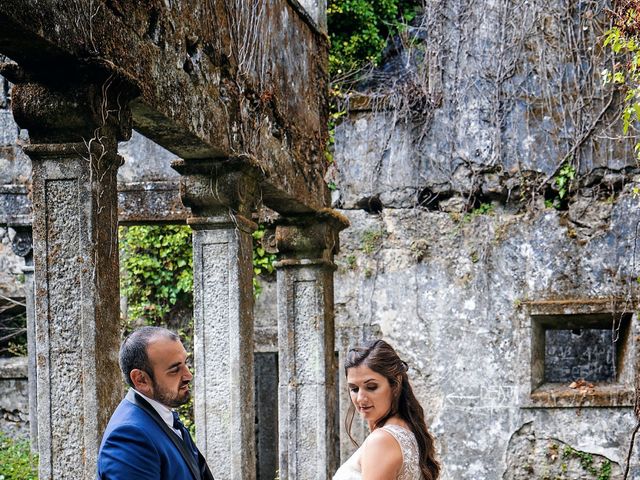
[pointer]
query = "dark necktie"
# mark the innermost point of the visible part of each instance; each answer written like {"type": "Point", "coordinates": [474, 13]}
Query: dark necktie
{"type": "Point", "coordinates": [186, 438]}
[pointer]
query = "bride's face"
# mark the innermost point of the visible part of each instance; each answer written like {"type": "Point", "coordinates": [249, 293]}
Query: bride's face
{"type": "Point", "coordinates": [370, 392]}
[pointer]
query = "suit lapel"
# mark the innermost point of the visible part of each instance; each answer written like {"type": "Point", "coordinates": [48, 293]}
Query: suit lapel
{"type": "Point", "coordinates": [187, 455]}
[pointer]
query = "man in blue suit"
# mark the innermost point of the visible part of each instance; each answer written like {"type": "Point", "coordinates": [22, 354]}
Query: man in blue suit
{"type": "Point", "coordinates": [144, 439]}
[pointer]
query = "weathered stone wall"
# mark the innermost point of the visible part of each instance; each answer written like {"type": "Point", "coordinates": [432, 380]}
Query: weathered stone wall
{"type": "Point", "coordinates": [443, 166]}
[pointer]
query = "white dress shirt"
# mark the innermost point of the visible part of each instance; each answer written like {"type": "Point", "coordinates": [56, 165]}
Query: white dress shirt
{"type": "Point", "coordinates": [165, 412]}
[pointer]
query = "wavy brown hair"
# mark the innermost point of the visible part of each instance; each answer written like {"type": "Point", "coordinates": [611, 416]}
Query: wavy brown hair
{"type": "Point", "coordinates": [380, 357]}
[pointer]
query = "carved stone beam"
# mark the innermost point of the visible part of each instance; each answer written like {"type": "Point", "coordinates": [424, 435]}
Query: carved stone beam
{"type": "Point", "coordinates": [221, 196]}
{"type": "Point", "coordinates": [74, 130]}
{"type": "Point", "coordinates": [308, 407]}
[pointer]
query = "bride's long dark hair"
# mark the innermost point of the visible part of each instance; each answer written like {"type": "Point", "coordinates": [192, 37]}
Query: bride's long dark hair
{"type": "Point", "coordinates": [380, 357]}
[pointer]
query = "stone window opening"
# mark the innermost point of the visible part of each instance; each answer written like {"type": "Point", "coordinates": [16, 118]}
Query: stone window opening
{"type": "Point", "coordinates": [582, 354]}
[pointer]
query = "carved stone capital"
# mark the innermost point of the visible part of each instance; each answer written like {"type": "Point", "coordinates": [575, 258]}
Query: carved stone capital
{"type": "Point", "coordinates": [310, 236]}
{"type": "Point", "coordinates": [72, 113]}
{"type": "Point", "coordinates": [213, 188]}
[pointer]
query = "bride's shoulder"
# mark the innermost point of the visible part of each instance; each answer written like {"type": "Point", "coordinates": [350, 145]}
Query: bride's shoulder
{"type": "Point", "coordinates": [380, 445]}
{"type": "Point", "coordinates": [381, 454]}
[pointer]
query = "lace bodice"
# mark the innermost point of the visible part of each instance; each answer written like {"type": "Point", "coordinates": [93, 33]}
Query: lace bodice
{"type": "Point", "coordinates": [350, 470]}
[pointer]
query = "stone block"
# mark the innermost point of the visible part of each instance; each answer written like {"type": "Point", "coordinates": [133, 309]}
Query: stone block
{"type": "Point", "coordinates": [14, 397]}
{"type": "Point", "coordinates": [8, 129]}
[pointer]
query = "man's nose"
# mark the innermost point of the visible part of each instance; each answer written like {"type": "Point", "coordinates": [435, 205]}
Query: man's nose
{"type": "Point", "coordinates": [187, 375]}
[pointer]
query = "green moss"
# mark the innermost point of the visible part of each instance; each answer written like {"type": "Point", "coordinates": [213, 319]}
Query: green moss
{"type": "Point", "coordinates": [371, 241]}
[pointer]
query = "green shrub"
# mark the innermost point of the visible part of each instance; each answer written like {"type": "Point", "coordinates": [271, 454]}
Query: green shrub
{"type": "Point", "coordinates": [16, 460]}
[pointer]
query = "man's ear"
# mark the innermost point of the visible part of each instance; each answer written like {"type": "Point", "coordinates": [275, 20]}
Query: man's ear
{"type": "Point", "coordinates": [140, 380]}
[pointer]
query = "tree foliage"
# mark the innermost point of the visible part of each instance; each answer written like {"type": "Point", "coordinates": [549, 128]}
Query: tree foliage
{"type": "Point", "coordinates": [359, 29]}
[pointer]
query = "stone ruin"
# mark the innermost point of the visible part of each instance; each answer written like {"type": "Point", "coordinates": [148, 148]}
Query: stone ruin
{"type": "Point", "coordinates": [515, 308]}
{"type": "Point", "coordinates": [237, 91]}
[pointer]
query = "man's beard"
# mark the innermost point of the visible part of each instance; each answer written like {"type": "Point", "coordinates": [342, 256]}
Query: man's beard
{"type": "Point", "coordinates": [168, 398]}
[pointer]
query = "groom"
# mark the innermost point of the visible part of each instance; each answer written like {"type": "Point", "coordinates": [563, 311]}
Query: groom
{"type": "Point", "coordinates": [144, 439]}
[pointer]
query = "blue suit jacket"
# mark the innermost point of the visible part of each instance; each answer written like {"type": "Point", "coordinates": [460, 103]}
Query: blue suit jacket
{"type": "Point", "coordinates": [135, 447]}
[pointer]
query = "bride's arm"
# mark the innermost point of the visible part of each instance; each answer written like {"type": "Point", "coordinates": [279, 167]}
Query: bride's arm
{"type": "Point", "coordinates": [381, 457]}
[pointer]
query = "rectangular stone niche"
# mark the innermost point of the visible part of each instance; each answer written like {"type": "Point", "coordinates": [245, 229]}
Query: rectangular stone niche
{"type": "Point", "coordinates": [582, 354]}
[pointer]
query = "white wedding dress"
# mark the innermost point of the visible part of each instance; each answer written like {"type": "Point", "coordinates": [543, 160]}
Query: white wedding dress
{"type": "Point", "coordinates": [350, 470]}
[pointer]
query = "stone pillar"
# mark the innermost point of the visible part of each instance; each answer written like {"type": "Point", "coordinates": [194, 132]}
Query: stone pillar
{"type": "Point", "coordinates": [221, 196]}
{"type": "Point", "coordinates": [308, 406]}
{"type": "Point", "coordinates": [74, 133]}
{"type": "Point", "coordinates": [22, 245]}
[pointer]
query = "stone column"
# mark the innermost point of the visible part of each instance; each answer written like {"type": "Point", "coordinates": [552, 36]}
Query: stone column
{"type": "Point", "coordinates": [22, 245]}
{"type": "Point", "coordinates": [221, 196]}
{"type": "Point", "coordinates": [308, 406]}
{"type": "Point", "coordinates": [74, 133]}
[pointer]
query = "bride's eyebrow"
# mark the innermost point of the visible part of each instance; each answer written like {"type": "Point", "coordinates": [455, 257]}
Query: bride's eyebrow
{"type": "Point", "coordinates": [349, 384]}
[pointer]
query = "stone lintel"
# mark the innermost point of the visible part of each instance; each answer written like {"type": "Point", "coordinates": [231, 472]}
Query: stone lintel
{"type": "Point", "coordinates": [13, 368]}
{"type": "Point", "coordinates": [150, 202]}
{"type": "Point", "coordinates": [138, 203]}
{"type": "Point", "coordinates": [203, 77]}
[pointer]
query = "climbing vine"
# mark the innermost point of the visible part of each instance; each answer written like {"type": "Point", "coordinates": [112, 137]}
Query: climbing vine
{"type": "Point", "coordinates": [263, 261]}
{"type": "Point", "coordinates": [587, 463]}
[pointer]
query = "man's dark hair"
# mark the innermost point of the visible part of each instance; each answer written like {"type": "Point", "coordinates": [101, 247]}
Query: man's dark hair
{"type": "Point", "coordinates": [133, 352]}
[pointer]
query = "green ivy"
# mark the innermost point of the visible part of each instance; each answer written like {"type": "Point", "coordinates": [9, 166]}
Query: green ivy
{"type": "Point", "coordinates": [564, 179]}
{"type": "Point", "coordinates": [587, 463]}
{"type": "Point", "coordinates": [16, 460]}
{"type": "Point", "coordinates": [263, 261]}
{"type": "Point", "coordinates": [157, 270]}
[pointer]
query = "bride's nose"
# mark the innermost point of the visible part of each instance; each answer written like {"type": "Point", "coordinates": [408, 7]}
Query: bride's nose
{"type": "Point", "coordinates": [361, 396]}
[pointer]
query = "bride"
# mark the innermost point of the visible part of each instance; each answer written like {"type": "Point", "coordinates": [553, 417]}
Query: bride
{"type": "Point", "coordinates": [399, 445]}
